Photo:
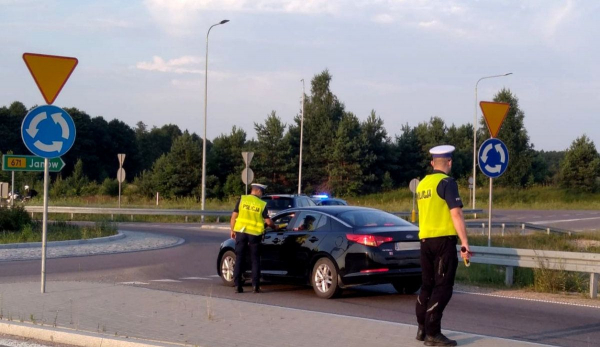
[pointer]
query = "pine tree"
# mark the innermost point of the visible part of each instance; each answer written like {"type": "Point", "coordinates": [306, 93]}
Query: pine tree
{"type": "Point", "coordinates": [581, 166]}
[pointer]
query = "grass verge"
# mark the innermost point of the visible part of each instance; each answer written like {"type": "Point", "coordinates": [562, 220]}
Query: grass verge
{"type": "Point", "coordinates": [59, 231]}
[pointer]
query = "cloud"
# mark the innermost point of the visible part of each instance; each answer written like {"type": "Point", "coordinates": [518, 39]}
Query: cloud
{"type": "Point", "coordinates": [176, 16]}
{"type": "Point", "coordinates": [383, 18]}
{"type": "Point", "coordinates": [428, 24]}
{"type": "Point", "coordinates": [178, 65]}
{"type": "Point", "coordinates": [181, 7]}
{"type": "Point", "coordinates": [556, 17]}
{"type": "Point", "coordinates": [111, 23]}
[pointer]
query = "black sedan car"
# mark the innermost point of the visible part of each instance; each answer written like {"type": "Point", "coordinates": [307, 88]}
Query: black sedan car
{"type": "Point", "coordinates": [335, 247]}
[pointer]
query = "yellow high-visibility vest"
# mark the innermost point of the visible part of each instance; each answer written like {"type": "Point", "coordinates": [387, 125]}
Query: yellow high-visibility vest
{"type": "Point", "coordinates": [434, 214]}
{"type": "Point", "coordinates": [250, 218]}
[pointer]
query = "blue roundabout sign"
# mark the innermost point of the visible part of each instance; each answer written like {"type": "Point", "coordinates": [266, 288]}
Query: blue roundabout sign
{"type": "Point", "coordinates": [48, 131]}
{"type": "Point", "coordinates": [493, 157]}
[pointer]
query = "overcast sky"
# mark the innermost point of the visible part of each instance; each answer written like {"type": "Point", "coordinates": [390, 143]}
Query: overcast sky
{"type": "Point", "coordinates": [407, 60]}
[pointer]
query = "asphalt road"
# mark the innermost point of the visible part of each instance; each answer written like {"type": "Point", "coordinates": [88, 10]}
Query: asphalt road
{"type": "Point", "coordinates": [191, 268]}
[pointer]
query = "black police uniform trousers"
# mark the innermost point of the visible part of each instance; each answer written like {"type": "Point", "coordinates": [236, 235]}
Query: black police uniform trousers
{"type": "Point", "coordinates": [243, 242]}
{"type": "Point", "coordinates": [439, 261]}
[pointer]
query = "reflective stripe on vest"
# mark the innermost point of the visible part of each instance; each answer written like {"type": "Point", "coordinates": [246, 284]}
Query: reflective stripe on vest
{"type": "Point", "coordinates": [250, 218]}
{"type": "Point", "coordinates": [434, 215]}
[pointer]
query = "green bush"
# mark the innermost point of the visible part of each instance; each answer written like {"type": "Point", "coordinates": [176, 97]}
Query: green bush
{"type": "Point", "coordinates": [110, 187]}
{"type": "Point", "coordinates": [13, 219]}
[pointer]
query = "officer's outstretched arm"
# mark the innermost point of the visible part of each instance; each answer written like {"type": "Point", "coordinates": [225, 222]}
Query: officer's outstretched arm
{"type": "Point", "coordinates": [459, 224]}
{"type": "Point", "coordinates": [270, 223]}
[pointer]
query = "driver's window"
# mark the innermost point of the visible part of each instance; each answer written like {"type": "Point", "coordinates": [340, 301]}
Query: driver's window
{"type": "Point", "coordinates": [307, 221]}
{"type": "Point", "coordinates": [283, 221]}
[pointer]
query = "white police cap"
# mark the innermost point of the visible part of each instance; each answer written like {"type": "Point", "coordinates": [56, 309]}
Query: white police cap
{"type": "Point", "coordinates": [259, 186]}
{"type": "Point", "coordinates": [443, 151]}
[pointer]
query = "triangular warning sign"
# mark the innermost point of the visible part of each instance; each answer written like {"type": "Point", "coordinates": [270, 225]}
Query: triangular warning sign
{"type": "Point", "coordinates": [50, 72]}
{"type": "Point", "coordinates": [494, 114]}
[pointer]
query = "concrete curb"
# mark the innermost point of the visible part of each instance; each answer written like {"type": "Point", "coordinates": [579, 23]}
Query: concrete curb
{"type": "Point", "coordinates": [119, 236]}
{"type": "Point", "coordinates": [215, 226]}
{"type": "Point", "coordinates": [75, 338]}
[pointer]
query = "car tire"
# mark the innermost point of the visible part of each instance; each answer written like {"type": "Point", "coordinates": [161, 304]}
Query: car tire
{"type": "Point", "coordinates": [324, 279]}
{"type": "Point", "coordinates": [226, 266]}
{"type": "Point", "coordinates": [408, 285]}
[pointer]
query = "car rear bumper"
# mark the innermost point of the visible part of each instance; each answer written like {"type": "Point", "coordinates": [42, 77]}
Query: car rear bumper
{"type": "Point", "coordinates": [365, 265]}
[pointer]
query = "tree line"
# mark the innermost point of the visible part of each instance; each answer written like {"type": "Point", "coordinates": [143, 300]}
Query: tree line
{"type": "Point", "coordinates": [342, 155]}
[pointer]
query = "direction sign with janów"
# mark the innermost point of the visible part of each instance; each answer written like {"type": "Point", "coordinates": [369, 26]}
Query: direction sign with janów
{"type": "Point", "coordinates": [11, 162]}
{"type": "Point", "coordinates": [48, 131]}
{"type": "Point", "coordinates": [493, 158]}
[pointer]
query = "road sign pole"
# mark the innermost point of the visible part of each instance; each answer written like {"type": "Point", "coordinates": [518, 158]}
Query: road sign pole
{"type": "Point", "coordinates": [413, 215]}
{"type": "Point", "coordinates": [45, 225]}
{"type": "Point", "coordinates": [120, 173]}
{"type": "Point", "coordinates": [246, 179]}
{"type": "Point", "coordinates": [490, 216]}
{"type": "Point", "coordinates": [12, 191]}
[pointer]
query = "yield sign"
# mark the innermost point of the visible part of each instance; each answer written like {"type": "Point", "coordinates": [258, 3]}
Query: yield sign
{"type": "Point", "coordinates": [494, 114]}
{"type": "Point", "coordinates": [50, 72]}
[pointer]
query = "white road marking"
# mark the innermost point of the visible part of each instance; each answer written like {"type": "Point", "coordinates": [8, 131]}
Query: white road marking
{"type": "Point", "coordinates": [564, 220]}
{"type": "Point", "coordinates": [195, 278]}
{"type": "Point", "coordinates": [165, 280]}
{"type": "Point", "coordinates": [132, 283]}
{"type": "Point", "coordinates": [527, 299]}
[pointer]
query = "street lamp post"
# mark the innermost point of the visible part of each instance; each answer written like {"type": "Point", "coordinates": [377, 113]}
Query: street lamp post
{"type": "Point", "coordinates": [301, 133]}
{"type": "Point", "coordinates": [475, 135]}
{"type": "Point", "coordinates": [205, 104]}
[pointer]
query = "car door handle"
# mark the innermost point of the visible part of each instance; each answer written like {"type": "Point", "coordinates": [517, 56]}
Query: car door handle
{"type": "Point", "coordinates": [276, 240]}
{"type": "Point", "coordinates": [313, 239]}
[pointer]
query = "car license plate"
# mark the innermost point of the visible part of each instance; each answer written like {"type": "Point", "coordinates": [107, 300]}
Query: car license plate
{"type": "Point", "coordinates": [407, 246]}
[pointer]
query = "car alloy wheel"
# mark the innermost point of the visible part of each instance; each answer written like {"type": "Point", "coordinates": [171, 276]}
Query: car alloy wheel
{"type": "Point", "coordinates": [227, 266]}
{"type": "Point", "coordinates": [324, 279]}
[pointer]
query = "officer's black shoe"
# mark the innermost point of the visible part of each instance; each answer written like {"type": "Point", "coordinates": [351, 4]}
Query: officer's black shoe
{"type": "Point", "coordinates": [420, 333]}
{"type": "Point", "coordinates": [256, 289]}
{"type": "Point", "coordinates": [438, 340]}
{"type": "Point", "coordinates": [239, 290]}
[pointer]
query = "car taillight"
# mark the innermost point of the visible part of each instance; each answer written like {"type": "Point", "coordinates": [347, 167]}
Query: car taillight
{"type": "Point", "coordinates": [369, 240]}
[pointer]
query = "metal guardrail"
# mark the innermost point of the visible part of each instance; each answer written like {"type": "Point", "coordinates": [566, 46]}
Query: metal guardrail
{"type": "Point", "coordinates": [538, 259]}
{"type": "Point", "coordinates": [521, 225]}
{"type": "Point", "coordinates": [155, 211]}
{"type": "Point", "coordinates": [408, 213]}
{"type": "Point", "coordinates": [126, 211]}
{"type": "Point", "coordinates": [222, 213]}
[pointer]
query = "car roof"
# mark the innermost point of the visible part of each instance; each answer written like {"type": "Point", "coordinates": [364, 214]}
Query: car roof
{"type": "Point", "coordinates": [282, 195]}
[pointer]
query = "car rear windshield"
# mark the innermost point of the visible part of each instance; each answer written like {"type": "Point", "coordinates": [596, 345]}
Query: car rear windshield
{"type": "Point", "coordinates": [278, 203]}
{"type": "Point", "coordinates": [372, 219]}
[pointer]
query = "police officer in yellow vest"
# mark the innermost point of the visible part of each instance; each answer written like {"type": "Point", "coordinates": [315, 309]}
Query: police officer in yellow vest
{"type": "Point", "coordinates": [247, 227]}
{"type": "Point", "coordinates": [440, 222]}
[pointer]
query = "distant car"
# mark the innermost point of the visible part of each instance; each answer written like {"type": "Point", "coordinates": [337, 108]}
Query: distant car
{"type": "Point", "coordinates": [279, 202]}
{"type": "Point", "coordinates": [335, 247]}
{"type": "Point", "coordinates": [330, 202]}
